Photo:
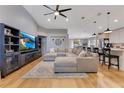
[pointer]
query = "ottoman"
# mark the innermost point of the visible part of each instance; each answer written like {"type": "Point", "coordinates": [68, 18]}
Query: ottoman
{"type": "Point", "coordinates": [49, 57]}
{"type": "Point", "coordinates": [65, 64]}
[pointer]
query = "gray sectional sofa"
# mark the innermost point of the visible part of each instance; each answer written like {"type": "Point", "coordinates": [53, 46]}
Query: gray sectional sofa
{"type": "Point", "coordinates": [73, 60]}
{"type": "Point", "coordinates": [53, 54]}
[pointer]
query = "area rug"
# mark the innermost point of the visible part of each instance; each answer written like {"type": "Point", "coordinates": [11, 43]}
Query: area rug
{"type": "Point", "coordinates": [46, 70]}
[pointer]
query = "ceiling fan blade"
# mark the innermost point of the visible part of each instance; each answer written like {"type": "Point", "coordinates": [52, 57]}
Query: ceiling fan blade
{"type": "Point", "coordinates": [63, 15]}
{"type": "Point", "coordinates": [48, 7]}
{"type": "Point", "coordinates": [57, 7]}
{"type": "Point", "coordinates": [65, 10]}
{"type": "Point", "coordinates": [55, 17]}
{"type": "Point", "coordinates": [49, 13]}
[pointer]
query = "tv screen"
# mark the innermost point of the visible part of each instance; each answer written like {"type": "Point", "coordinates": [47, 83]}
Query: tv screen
{"type": "Point", "coordinates": [27, 41]}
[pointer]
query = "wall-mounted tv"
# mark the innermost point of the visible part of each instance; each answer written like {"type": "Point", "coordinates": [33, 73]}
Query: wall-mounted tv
{"type": "Point", "coordinates": [27, 41]}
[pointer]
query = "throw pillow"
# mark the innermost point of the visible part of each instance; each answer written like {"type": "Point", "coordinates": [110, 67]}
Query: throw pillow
{"type": "Point", "coordinates": [82, 53]}
{"type": "Point", "coordinates": [52, 50]}
{"type": "Point", "coordinates": [78, 51]}
{"type": "Point", "coordinates": [74, 50]}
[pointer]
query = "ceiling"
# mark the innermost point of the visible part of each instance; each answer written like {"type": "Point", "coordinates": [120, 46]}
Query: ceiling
{"type": "Point", "coordinates": [91, 13]}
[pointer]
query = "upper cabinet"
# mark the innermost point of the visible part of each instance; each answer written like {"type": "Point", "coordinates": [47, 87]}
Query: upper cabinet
{"type": "Point", "coordinates": [117, 36]}
{"type": "Point", "coordinates": [121, 36]}
{"type": "Point", "coordinates": [114, 37]}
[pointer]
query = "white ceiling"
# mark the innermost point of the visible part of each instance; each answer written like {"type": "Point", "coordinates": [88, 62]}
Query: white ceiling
{"type": "Point", "coordinates": [89, 12]}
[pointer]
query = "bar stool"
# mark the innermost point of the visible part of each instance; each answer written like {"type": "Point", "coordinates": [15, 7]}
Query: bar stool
{"type": "Point", "coordinates": [101, 54]}
{"type": "Point", "coordinates": [107, 53]}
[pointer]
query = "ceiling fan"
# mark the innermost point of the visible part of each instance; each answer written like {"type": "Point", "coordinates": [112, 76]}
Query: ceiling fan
{"type": "Point", "coordinates": [57, 12]}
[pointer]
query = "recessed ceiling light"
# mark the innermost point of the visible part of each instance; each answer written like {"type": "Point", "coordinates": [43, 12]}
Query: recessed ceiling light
{"type": "Point", "coordinates": [100, 27]}
{"type": "Point", "coordinates": [48, 19]}
{"type": "Point", "coordinates": [66, 19]}
{"type": "Point", "coordinates": [83, 17]}
{"type": "Point", "coordinates": [99, 14]}
{"type": "Point", "coordinates": [116, 20]}
{"type": "Point", "coordinates": [94, 22]}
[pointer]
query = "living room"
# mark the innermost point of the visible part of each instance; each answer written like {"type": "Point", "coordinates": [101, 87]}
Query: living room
{"type": "Point", "coordinates": [62, 47]}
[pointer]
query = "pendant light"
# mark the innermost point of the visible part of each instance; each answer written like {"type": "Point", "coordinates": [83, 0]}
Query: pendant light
{"type": "Point", "coordinates": [94, 34]}
{"type": "Point", "coordinates": [108, 30]}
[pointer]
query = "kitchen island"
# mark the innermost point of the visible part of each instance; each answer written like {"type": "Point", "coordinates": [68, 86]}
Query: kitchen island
{"type": "Point", "coordinates": [120, 53]}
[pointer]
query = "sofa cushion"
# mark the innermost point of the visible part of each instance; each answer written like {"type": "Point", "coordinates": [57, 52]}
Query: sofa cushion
{"type": "Point", "coordinates": [49, 57]}
{"type": "Point", "coordinates": [71, 55]}
{"type": "Point", "coordinates": [82, 53]}
{"type": "Point", "coordinates": [65, 62]}
{"type": "Point", "coordinates": [87, 64]}
{"type": "Point", "coordinates": [61, 50]}
{"type": "Point", "coordinates": [88, 54]}
{"type": "Point", "coordinates": [78, 51]}
{"type": "Point", "coordinates": [50, 54]}
{"type": "Point", "coordinates": [74, 50]}
{"type": "Point", "coordinates": [70, 50]}
{"type": "Point", "coordinates": [61, 54]}
{"type": "Point", "coordinates": [66, 49]}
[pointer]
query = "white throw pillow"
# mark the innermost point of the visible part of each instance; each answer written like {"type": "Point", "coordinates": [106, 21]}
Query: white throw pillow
{"type": "Point", "coordinates": [52, 50]}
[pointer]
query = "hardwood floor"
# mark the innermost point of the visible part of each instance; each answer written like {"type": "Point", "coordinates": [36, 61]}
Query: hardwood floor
{"type": "Point", "coordinates": [103, 79]}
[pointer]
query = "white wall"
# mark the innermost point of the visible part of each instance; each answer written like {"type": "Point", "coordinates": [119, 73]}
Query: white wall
{"type": "Point", "coordinates": [74, 35]}
{"type": "Point", "coordinates": [16, 16]}
{"type": "Point", "coordinates": [54, 33]}
{"type": "Point", "coordinates": [117, 36]}
{"type": "Point", "coordinates": [71, 43]}
{"type": "Point", "coordinates": [42, 31]}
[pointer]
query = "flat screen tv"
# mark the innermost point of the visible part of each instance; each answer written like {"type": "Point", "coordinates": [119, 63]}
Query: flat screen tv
{"type": "Point", "coordinates": [27, 41]}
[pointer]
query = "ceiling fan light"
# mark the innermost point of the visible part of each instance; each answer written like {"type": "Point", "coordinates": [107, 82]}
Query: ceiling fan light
{"type": "Point", "coordinates": [56, 13]}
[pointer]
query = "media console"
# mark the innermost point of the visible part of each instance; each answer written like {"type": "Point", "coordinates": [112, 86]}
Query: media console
{"type": "Point", "coordinates": [27, 57]}
{"type": "Point", "coordinates": [11, 58]}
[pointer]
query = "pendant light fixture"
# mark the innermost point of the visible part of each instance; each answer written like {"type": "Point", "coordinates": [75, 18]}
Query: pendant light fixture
{"type": "Point", "coordinates": [108, 30]}
{"type": "Point", "coordinates": [94, 34]}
